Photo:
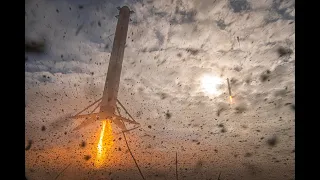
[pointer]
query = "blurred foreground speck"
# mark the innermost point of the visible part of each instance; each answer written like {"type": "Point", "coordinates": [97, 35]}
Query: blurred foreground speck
{"type": "Point", "coordinates": [29, 145]}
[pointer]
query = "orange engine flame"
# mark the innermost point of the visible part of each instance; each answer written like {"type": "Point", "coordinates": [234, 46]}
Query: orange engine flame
{"type": "Point", "coordinates": [230, 97]}
{"type": "Point", "coordinates": [105, 143]}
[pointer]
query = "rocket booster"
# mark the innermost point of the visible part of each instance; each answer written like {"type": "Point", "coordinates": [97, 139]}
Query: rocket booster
{"type": "Point", "coordinates": [229, 88]}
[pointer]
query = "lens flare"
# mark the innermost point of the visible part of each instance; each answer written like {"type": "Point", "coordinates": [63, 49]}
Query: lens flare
{"type": "Point", "coordinates": [105, 143]}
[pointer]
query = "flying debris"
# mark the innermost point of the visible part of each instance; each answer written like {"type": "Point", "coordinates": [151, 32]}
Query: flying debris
{"type": "Point", "coordinates": [238, 40]}
{"type": "Point", "coordinates": [37, 47]}
{"type": "Point", "coordinates": [229, 88]}
{"type": "Point", "coordinates": [109, 100]}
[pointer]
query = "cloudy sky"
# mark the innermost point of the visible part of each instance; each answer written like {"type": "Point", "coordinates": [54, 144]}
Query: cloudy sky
{"type": "Point", "coordinates": [178, 56]}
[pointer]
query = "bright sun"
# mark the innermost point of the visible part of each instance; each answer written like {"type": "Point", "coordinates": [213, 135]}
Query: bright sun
{"type": "Point", "coordinates": [210, 83]}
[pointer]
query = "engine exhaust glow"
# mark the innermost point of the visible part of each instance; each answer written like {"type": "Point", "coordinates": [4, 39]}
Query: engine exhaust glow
{"type": "Point", "coordinates": [105, 143]}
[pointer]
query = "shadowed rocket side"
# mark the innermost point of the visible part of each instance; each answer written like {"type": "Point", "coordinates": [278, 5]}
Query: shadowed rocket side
{"type": "Point", "coordinates": [111, 88]}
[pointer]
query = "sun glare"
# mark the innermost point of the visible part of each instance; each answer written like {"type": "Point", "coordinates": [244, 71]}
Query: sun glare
{"type": "Point", "coordinates": [210, 83]}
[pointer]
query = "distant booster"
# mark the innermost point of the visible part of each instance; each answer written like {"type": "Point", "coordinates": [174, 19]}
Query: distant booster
{"type": "Point", "coordinates": [229, 88]}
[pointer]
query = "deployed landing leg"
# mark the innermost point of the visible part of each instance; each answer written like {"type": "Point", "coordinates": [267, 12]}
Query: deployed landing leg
{"type": "Point", "coordinates": [92, 117]}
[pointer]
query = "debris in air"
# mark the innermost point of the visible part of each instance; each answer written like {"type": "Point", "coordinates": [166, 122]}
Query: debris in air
{"type": "Point", "coordinates": [87, 157]}
{"type": "Point", "coordinates": [272, 141]}
{"type": "Point", "coordinates": [30, 142]}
